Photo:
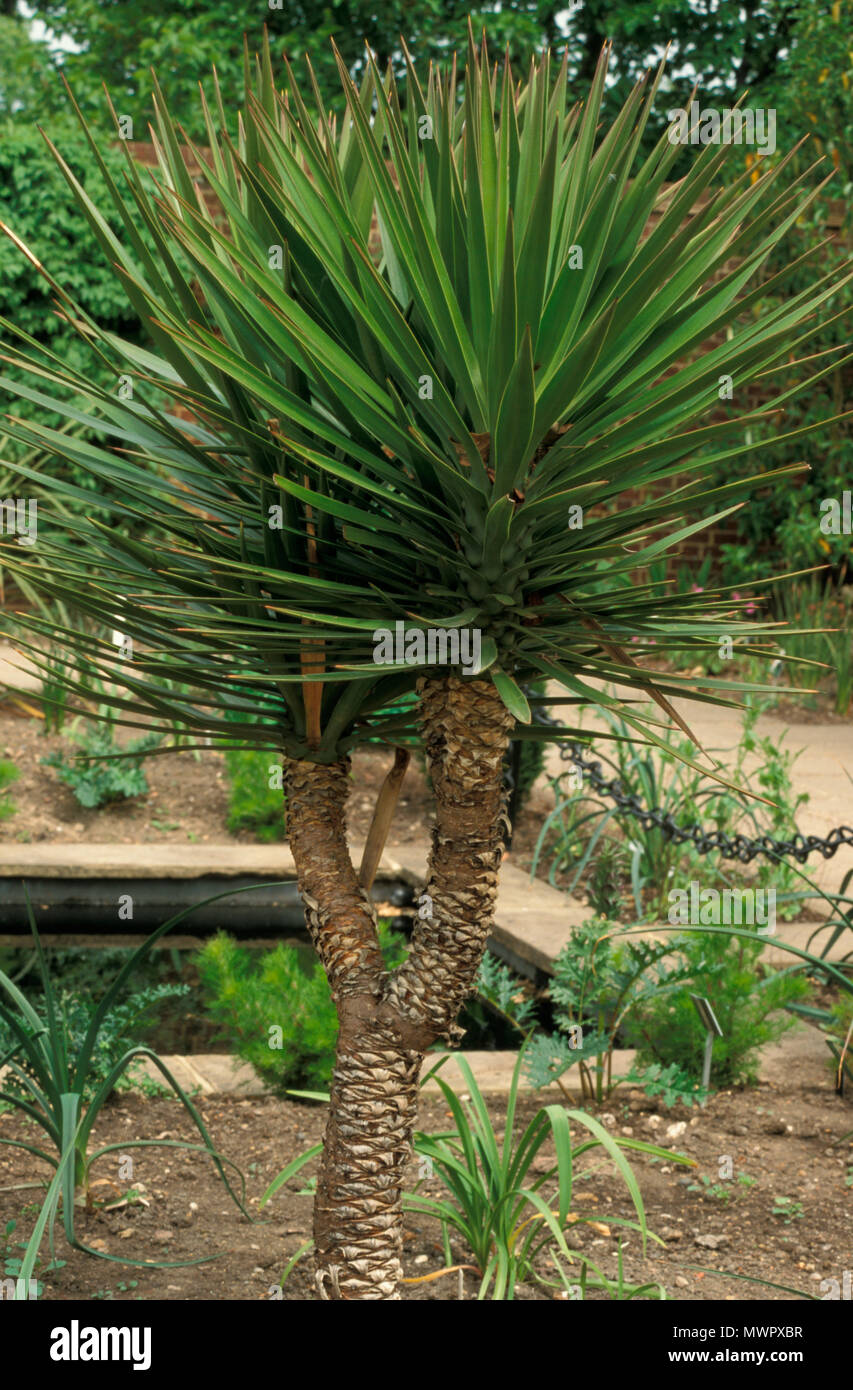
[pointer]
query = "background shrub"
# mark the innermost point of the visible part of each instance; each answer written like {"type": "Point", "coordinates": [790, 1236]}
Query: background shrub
{"type": "Point", "coordinates": [252, 803]}
{"type": "Point", "coordinates": [748, 1004]}
{"type": "Point", "coordinates": [36, 202]}
{"type": "Point", "coordinates": [286, 989]}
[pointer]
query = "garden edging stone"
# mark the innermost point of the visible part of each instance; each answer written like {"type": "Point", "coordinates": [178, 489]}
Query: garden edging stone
{"type": "Point", "coordinates": [802, 1050]}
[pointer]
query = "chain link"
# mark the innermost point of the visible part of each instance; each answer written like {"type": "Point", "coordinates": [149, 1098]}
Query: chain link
{"type": "Point", "coordinates": [742, 847]}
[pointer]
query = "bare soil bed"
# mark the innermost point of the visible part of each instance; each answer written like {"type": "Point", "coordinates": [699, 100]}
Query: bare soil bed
{"type": "Point", "coordinates": [188, 798]}
{"type": "Point", "coordinates": [783, 1134]}
{"type": "Point", "coordinates": [187, 801]}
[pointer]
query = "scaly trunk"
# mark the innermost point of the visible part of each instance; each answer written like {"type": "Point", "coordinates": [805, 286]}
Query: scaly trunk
{"type": "Point", "coordinates": [387, 1022]}
{"type": "Point", "coordinates": [357, 1215]}
{"type": "Point", "coordinates": [466, 732]}
{"type": "Point", "coordinates": [358, 1227]}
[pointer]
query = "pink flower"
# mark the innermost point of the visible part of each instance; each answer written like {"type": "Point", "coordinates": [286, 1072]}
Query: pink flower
{"type": "Point", "coordinates": [750, 606]}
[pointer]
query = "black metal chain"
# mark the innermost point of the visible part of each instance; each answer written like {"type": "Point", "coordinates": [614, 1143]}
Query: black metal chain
{"type": "Point", "coordinates": [742, 847]}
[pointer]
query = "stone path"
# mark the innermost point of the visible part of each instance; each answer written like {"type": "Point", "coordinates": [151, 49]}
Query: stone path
{"type": "Point", "coordinates": [823, 769]}
{"type": "Point", "coordinates": [27, 679]}
{"type": "Point", "coordinates": [802, 1050]}
{"type": "Point", "coordinates": [170, 860]}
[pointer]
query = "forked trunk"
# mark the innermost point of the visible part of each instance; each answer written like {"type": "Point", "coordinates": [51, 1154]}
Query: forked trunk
{"type": "Point", "coordinates": [387, 1021]}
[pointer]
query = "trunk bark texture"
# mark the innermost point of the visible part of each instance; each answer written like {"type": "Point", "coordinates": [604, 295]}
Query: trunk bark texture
{"type": "Point", "coordinates": [466, 733]}
{"type": "Point", "coordinates": [387, 1021]}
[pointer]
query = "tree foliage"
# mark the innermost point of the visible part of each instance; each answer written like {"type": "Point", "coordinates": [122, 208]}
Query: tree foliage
{"type": "Point", "coordinates": [44, 215]}
{"type": "Point", "coordinates": [402, 429]}
{"type": "Point", "coordinates": [724, 47]}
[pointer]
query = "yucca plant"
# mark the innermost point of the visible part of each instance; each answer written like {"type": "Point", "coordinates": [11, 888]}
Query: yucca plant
{"type": "Point", "coordinates": [416, 348]}
{"type": "Point", "coordinates": [495, 1198]}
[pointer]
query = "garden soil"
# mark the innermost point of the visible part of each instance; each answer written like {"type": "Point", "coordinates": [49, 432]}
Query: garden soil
{"type": "Point", "coordinates": [782, 1139]}
{"type": "Point", "coordinates": [188, 798]}
{"type": "Point", "coordinates": [187, 801]}
{"type": "Point", "coordinates": [786, 1139]}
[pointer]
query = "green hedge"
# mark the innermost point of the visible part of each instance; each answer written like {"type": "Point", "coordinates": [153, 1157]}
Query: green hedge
{"type": "Point", "coordinates": [37, 204]}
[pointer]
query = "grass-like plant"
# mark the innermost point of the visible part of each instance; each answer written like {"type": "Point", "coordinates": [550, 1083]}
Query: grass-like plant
{"type": "Point", "coordinates": [126, 1023]}
{"type": "Point", "coordinates": [59, 1085]}
{"type": "Point", "coordinates": [574, 835]}
{"type": "Point", "coordinates": [823, 635]}
{"type": "Point", "coordinates": [498, 1201]}
{"type": "Point", "coordinates": [836, 968]}
{"type": "Point", "coordinates": [496, 1198]}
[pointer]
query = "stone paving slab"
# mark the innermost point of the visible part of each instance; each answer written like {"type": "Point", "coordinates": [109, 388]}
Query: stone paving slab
{"type": "Point", "coordinates": [220, 1074]}
{"type": "Point", "coordinates": [801, 1053]}
{"type": "Point", "coordinates": [493, 1072]}
{"type": "Point", "coordinates": [169, 860]}
{"type": "Point", "coordinates": [796, 934]}
{"type": "Point", "coordinates": [16, 672]}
